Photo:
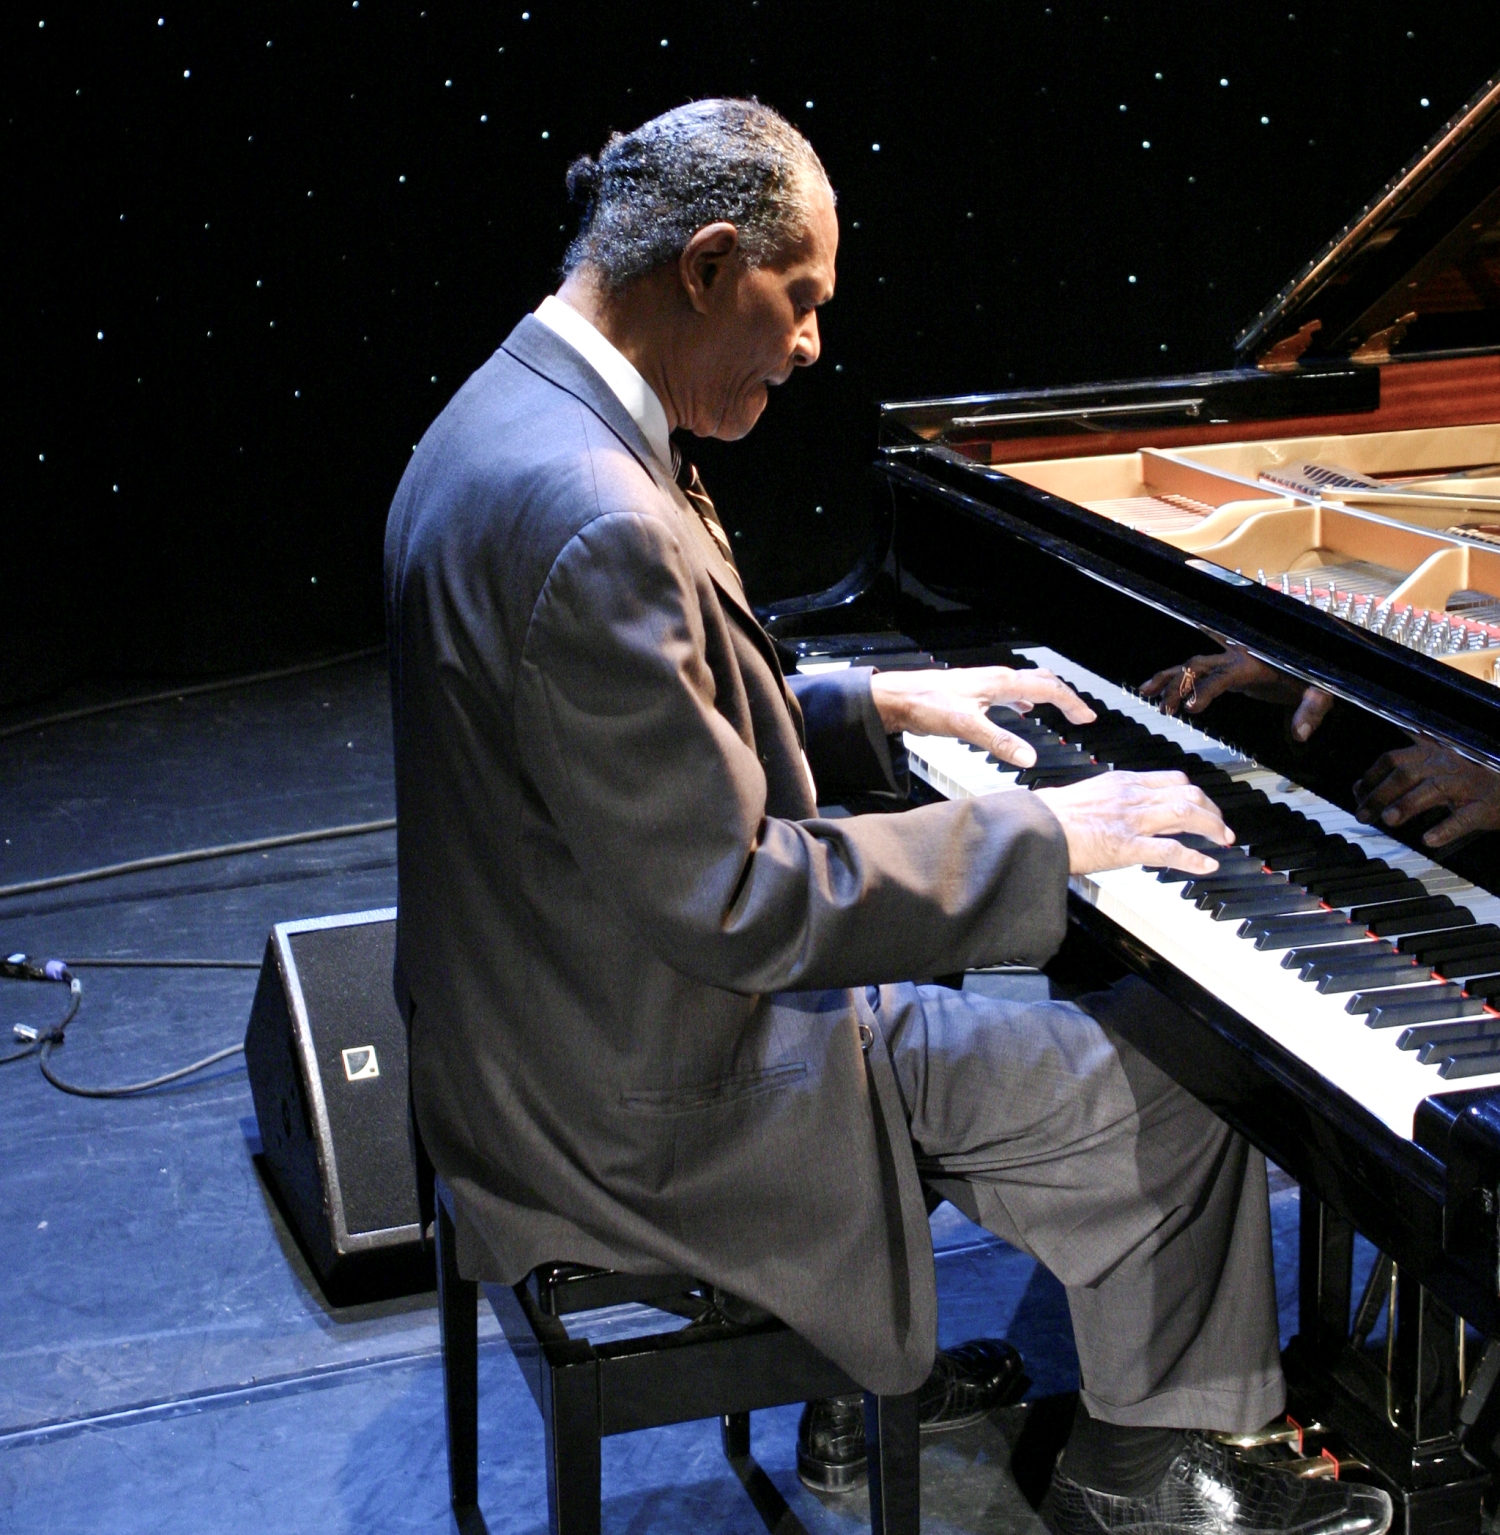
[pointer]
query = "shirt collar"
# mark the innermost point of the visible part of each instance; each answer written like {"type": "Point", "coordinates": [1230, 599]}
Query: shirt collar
{"type": "Point", "coordinates": [632, 391]}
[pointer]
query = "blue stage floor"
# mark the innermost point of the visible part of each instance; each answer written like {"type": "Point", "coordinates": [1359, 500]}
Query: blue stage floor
{"type": "Point", "coordinates": [167, 1362]}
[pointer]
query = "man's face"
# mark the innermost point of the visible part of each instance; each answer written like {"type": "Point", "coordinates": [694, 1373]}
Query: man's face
{"type": "Point", "coordinates": [761, 322]}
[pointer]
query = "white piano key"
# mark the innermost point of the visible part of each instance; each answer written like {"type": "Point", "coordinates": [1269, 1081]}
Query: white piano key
{"type": "Point", "coordinates": [1365, 1063]}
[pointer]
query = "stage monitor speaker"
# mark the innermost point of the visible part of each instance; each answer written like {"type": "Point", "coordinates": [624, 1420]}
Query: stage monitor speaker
{"type": "Point", "coordinates": [326, 1054]}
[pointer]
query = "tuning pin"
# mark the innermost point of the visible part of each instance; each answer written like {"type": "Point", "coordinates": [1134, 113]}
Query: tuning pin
{"type": "Point", "coordinates": [1307, 589]}
{"type": "Point", "coordinates": [1286, 583]}
{"type": "Point", "coordinates": [1262, 574]}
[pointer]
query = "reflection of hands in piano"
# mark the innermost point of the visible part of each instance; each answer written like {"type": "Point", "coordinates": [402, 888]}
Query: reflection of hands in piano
{"type": "Point", "coordinates": [952, 703]}
{"type": "Point", "coordinates": [1429, 776]}
{"type": "Point", "coordinates": [1120, 819]}
{"type": "Point", "coordinates": [1193, 686]}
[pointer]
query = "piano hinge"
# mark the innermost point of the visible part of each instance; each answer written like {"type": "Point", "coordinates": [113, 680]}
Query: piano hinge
{"type": "Point", "coordinates": [1376, 347]}
{"type": "Point", "coordinates": [1282, 357]}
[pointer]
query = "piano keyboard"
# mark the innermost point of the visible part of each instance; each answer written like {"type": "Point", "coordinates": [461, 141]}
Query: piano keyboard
{"type": "Point", "coordinates": [1370, 963]}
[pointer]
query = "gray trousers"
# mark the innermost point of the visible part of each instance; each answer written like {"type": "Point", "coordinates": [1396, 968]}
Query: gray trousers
{"type": "Point", "coordinates": [1047, 1128]}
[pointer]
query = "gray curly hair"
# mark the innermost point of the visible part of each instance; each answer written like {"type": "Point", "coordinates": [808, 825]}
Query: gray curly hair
{"type": "Point", "coordinates": [651, 190]}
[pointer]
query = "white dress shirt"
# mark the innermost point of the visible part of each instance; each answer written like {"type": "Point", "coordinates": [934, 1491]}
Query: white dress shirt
{"type": "Point", "coordinates": [612, 365]}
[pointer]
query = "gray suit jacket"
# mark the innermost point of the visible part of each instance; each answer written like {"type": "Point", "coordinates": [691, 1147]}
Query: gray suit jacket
{"type": "Point", "coordinates": [631, 954]}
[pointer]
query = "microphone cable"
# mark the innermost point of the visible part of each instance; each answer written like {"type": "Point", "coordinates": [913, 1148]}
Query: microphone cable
{"type": "Point", "coordinates": [43, 1042]}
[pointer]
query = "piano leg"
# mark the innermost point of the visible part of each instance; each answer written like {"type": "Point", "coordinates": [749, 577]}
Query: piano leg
{"type": "Point", "coordinates": [1394, 1405]}
{"type": "Point", "coordinates": [1325, 1277]}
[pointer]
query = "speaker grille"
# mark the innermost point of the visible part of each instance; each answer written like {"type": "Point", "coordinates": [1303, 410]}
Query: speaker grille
{"type": "Point", "coordinates": [345, 977]}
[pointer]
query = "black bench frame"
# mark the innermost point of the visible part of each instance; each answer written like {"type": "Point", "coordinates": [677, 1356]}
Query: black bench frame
{"type": "Point", "coordinates": [714, 1367]}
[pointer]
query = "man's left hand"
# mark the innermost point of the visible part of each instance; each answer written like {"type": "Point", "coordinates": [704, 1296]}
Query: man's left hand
{"type": "Point", "coordinates": [953, 703]}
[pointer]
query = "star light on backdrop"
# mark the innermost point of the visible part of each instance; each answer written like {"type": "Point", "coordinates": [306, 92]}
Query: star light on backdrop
{"type": "Point", "coordinates": [392, 174]}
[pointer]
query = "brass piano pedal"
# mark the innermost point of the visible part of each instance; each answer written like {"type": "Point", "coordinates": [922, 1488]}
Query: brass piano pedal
{"type": "Point", "coordinates": [1315, 1467]}
{"type": "Point", "coordinates": [1263, 1438]}
{"type": "Point", "coordinates": [1310, 1468]}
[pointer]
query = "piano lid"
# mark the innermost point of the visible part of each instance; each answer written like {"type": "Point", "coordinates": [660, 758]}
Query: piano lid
{"type": "Point", "coordinates": [1417, 273]}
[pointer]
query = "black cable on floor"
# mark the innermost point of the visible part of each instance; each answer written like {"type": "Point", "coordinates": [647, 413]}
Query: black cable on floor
{"type": "Point", "coordinates": [196, 855]}
{"type": "Point", "coordinates": [45, 1041]}
{"type": "Point", "coordinates": [131, 1088]}
{"type": "Point", "coordinates": [53, 1031]}
{"type": "Point", "coordinates": [164, 964]}
{"type": "Point", "coordinates": [222, 685]}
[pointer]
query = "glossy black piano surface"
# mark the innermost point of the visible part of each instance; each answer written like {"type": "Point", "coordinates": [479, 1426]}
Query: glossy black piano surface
{"type": "Point", "coordinates": [1127, 527]}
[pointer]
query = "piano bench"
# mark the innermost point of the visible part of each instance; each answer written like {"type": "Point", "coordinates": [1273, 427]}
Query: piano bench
{"type": "Point", "coordinates": [728, 1361]}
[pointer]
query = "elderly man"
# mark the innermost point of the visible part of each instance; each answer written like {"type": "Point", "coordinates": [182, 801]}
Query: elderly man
{"type": "Point", "coordinates": [661, 1011]}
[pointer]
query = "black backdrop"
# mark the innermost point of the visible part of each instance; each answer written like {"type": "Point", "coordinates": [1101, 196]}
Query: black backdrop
{"type": "Point", "coordinates": [255, 248]}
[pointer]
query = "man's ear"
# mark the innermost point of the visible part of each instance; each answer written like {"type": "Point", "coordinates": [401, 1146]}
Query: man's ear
{"type": "Point", "coordinates": [703, 260]}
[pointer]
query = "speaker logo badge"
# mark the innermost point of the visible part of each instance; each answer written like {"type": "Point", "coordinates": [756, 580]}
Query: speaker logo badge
{"type": "Point", "coordinates": [360, 1064]}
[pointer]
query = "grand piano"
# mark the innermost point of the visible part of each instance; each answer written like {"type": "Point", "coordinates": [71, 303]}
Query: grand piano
{"type": "Point", "coordinates": [1331, 507]}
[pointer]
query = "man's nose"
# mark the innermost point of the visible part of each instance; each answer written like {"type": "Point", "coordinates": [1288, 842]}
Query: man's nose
{"type": "Point", "coordinates": [809, 346]}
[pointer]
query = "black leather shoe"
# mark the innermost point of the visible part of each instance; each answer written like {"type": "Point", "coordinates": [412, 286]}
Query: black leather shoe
{"type": "Point", "coordinates": [966, 1383]}
{"type": "Point", "coordinates": [1208, 1490]}
{"type": "Point", "coordinates": [831, 1444]}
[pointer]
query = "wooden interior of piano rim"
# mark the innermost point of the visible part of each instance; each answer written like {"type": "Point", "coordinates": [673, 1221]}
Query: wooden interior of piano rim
{"type": "Point", "coordinates": [1206, 501]}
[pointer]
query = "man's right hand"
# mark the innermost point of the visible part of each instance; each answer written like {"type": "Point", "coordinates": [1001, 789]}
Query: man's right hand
{"type": "Point", "coordinates": [1120, 819]}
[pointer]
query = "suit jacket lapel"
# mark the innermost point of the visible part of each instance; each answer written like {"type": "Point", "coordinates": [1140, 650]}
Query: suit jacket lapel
{"type": "Point", "coordinates": [543, 350]}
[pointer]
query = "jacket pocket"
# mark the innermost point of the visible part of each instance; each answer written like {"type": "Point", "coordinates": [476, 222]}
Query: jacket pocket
{"type": "Point", "coordinates": [709, 1095]}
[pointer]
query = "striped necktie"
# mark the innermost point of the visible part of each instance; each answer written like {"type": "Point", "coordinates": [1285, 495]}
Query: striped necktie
{"type": "Point", "coordinates": [691, 485]}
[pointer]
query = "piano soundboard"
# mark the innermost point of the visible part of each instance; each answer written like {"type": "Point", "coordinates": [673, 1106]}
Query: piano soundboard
{"type": "Point", "coordinates": [1373, 965]}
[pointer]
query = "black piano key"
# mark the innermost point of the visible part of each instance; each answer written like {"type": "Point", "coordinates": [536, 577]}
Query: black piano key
{"type": "Point", "coordinates": [1351, 958]}
{"type": "Point", "coordinates": [1337, 982]}
{"type": "Point", "coordinates": [1206, 889]}
{"type": "Point", "coordinates": [1425, 906]}
{"type": "Point", "coordinates": [1418, 905]}
{"type": "Point", "coordinates": [1305, 954]}
{"type": "Point", "coordinates": [1348, 899]}
{"type": "Point", "coordinates": [1294, 852]}
{"type": "Point", "coordinates": [1280, 848]}
{"type": "Point", "coordinates": [1459, 1049]}
{"type": "Point", "coordinates": [1394, 927]}
{"type": "Point", "coordinates": [1271, 933]}
{"type": "Point", "coordinates": [1404, 1014]}
{"type": "Point", "coordinates": [1475, 962]}
{"type": "Point", "coordinates": [1226, 791]}
{"type": "Point", "coordinates": [1438, 1033]}
{"type": "Point", "coordinates": [1057, 777]}
{"type": "Point", "coordinates": [1228, 858]}
{"type": "Point", "coordinates": [1395, 996]}
{"type": "Point", "coordinates": [1144, 759]}
{"type": "Point", "coordinates": [1235, 908]}
{"type": "Point", "coordinates": [1456, 1067]}
{"type": "Point", "coordinates": [1344, 888]}
{"type": "Point", "coordinates": [1435, 946]}
{"type": "Point", "coordinates": [1485, 987]}
{"type": "Point", "coordinates": [1332, 857]}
